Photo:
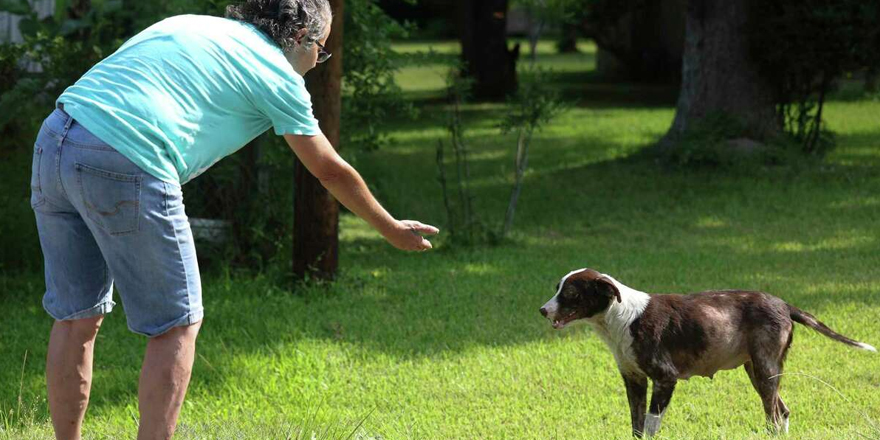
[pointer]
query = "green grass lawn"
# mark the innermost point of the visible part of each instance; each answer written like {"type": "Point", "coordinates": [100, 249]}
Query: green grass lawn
{"type": "Point", "coordinates": [449, 344]}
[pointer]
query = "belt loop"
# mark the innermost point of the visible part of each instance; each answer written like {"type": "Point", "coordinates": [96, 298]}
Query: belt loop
{"type": "Point", "coordinates": [66, 129]}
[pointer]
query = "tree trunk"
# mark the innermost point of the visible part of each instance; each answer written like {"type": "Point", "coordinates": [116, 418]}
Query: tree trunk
{"type": "Point", "coordinates": [568, 42]}
{"type": "Point", "coordinates": [718, 74]}
{"type": "Point", "coordinates": [77, 9]}
{"type": "Point", "coordinates": [871, 80]}
{"type": "Point", "coordinates": [316, 212]}
{"type": "Point", "coordinates": [482, 25]}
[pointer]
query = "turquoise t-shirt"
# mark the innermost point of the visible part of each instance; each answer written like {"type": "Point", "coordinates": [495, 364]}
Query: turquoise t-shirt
{"type": "Point", "coordinates": [188, 91]}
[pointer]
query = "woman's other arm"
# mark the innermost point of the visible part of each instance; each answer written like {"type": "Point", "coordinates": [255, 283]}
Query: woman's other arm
{"type": "Point", "coordinates": [347, 186]}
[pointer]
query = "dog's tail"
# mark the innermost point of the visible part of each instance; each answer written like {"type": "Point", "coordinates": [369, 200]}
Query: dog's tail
{"type": "Point", "coordinates": [802, 317]}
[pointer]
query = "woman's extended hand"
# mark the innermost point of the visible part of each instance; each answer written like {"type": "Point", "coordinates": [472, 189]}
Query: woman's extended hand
{"type": "Point", "coordinates": [407, 235]}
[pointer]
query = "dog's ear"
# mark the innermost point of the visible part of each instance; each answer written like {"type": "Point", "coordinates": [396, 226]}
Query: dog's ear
{"type": "Point", "coordinates": [606, 287]}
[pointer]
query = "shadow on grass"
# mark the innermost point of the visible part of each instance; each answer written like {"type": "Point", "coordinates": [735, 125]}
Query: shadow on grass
{"type": "Point", "coordinates": [589, 89]}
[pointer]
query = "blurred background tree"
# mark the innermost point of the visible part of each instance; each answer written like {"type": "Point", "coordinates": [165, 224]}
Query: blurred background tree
{"type": "Point", "coordinates": [753, 76]}
{"type": "Point", "coordinates": [487, 59]}
{"type": "Point", "coordinates": [638, 40]}
{"type": "Point", "coordinates": [763, 69]}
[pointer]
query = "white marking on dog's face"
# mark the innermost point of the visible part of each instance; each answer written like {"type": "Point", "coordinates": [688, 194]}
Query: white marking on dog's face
{"type": "Point", "coordinates": [552, 306]}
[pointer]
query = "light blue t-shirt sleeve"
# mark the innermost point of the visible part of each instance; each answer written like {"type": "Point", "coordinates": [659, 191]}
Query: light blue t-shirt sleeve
{"type": "Point", "coordinates": [288, 105]}
{"type": "Point", "coordinates": [188, 91]}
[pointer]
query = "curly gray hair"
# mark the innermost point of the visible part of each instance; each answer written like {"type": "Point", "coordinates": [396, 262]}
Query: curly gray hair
{"type": "Point", "coordinates": [282, 19]}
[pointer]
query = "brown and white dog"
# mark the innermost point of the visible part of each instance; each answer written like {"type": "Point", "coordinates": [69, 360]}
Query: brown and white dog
{"type": "Point", "coordinates": [671, 337]}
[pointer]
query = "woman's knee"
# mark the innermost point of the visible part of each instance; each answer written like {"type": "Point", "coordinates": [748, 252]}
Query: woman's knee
{"type": "Point", "coordinates": [186, 332]}
{"type": "Point", "coordinates": [84, 328]}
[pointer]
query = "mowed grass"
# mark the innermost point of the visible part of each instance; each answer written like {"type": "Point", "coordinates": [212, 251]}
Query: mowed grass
{"type": "Point", "coordinates": [449, 344]}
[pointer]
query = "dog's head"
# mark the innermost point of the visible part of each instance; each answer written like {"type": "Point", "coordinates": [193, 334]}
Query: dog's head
{"type": "Point", "coordinates": [580, 294]}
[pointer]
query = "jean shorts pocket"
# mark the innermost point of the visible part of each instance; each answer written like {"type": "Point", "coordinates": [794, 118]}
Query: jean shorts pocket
{"type": "Point", "coordinates": [112, 200]}
{"type": "Point", "coordinates": [37, 197]}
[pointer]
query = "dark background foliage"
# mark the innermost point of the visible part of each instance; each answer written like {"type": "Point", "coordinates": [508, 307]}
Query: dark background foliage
{"type": "Point", "coordinates": [807, 47]}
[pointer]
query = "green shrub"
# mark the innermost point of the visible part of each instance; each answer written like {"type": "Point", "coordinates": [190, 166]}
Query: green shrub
{"type": "Point", "coordinates": [805, 47]}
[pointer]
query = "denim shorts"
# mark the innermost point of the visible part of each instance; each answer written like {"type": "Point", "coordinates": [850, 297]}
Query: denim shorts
{"type": "Point", "coordinates": [104, 221]}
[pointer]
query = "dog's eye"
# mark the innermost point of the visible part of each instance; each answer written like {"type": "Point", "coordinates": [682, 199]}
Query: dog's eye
{"type": "Point", "coordinates": [569, 292]}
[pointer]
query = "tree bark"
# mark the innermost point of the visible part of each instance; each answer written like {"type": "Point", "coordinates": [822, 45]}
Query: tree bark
{"type": "Point", "coordinates": [872, 76]}
{"type": "Point", "coordinates": [482, 26]}
{"type": "Point", "coordinates": [568, 42]}
{"type": "Point", "coordinates": [78, 9]}
{"type": "Point", "coordinates": [718, 74]}
{"type": "Point", "coordinates": [316, 212]}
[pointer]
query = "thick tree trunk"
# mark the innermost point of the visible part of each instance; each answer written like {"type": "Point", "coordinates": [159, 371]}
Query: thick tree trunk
{"type": "Point", "coordinates": [718, 74]}
{"type": "Point", "coordinates": [871, 80]}
{"type": "Point", "coordinates": [482, 25]}
{"type": "Point", "coordinates": [316, 212]}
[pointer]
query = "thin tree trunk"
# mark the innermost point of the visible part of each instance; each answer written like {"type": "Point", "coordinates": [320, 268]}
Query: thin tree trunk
{"type": "Point", "coordinates": [718, 73]}
{"type": "Point", "coordinates": [535, 35]}
{"type": "Point", "coordinates": [813, 141]}
{"type": "Point", "coordinates": [521, 163]}
{"type": "Point", "coordinates": [463, 172]}
{"type": "Point", "coordinates": [316, 212]}
{"type": "Point", "coordinates": [441, 177]}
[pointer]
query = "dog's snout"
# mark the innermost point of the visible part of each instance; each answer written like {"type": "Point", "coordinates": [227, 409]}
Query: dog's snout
{"type": "Point", "coordinates": [544, 311]}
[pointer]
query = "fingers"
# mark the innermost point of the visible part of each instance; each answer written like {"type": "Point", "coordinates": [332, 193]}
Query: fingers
{"type": "Point", "coordinates": [422, 228]}
{"type": "Point", "coordinates": [415, 241]}
{"type": "Point", "coordinates": [425, 245]}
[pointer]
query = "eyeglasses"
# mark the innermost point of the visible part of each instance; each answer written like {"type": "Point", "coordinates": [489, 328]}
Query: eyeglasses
{"type": "Point", "coordinates": [323, 55]}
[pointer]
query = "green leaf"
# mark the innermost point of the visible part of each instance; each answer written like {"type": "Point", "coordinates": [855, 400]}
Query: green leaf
{"type": "Point", "coordinates": [29, 27]}
{"type": "Point", "coordinates": [17, 7]}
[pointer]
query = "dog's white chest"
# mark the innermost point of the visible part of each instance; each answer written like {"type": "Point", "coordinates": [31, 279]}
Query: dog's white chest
{"type": "Point", "coordinates": [613, 327]}
{"type": "Point", "coordinates": [619, 342]}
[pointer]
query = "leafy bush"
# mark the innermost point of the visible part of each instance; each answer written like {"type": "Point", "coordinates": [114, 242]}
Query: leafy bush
{"type": "Point", "coordinates": [533, 106]}
{"type": "Point", "coordinates": [805, 47]}
{"type": "Point", "coordinates": [463, 224]}
{"type": "Point", "coordinates": [528, 110]}
{"type": "Point", "coordinates": [370, 93]}
{"type": "Point", "coordinates": [720, 140]}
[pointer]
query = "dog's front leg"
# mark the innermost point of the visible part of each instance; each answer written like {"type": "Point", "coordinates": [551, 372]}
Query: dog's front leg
{"type": "Point", "coordinates": [637, 394]}
{"type": "Point", "coordinates": [660, 397]}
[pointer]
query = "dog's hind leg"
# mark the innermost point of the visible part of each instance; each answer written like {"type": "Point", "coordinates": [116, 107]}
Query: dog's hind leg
{"type": "Point", "coordinates": [637, 395]}
{"type": "Point", "coordinates": [660, 397]}
{"type": "Point", "coordinates": [765, 379]}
